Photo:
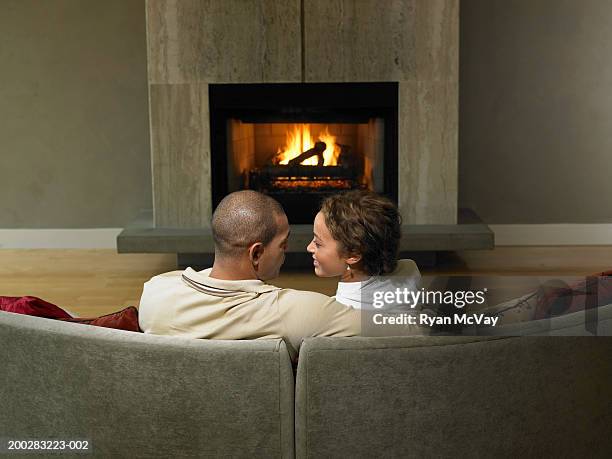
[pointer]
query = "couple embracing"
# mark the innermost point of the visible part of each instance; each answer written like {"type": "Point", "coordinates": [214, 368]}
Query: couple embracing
{"type": "Point", "coordinates": [356, 238]}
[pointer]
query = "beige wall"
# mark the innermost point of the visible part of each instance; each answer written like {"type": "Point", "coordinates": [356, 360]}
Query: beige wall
{"type": "Point", "coordinates": [74, 136]}
{"type": "Point", "coordinates": [535, 129]}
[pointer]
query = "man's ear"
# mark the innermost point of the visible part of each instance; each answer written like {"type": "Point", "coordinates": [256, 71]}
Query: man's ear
{"type": "Point", "coordinates": [255, 252]}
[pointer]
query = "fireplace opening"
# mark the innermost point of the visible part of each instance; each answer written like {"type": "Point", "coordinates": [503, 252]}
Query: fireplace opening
{"type": "Point", "coordinates": [302, 142]}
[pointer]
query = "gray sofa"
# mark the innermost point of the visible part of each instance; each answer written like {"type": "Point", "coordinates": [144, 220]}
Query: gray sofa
{"type": "Point", "coordinates": [454, 397]}
{"type": "Point", "coordinates": [134, 395]}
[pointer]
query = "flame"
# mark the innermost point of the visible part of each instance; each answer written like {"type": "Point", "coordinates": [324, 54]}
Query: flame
{"type": "Point", "coordinates": [299, 139]}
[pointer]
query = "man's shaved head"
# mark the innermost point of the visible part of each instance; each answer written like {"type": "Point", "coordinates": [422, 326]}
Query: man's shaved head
{"type": "Point", "coordinates": [244, 218]}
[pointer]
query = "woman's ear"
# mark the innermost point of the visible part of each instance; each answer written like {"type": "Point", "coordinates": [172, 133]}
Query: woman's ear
{"type": "Point", "coordinates": [255, 253]}
{"type": "Point", "coordinates": [353, 259]}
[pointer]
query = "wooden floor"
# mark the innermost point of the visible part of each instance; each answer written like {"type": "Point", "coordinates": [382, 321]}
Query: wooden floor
{"type": "Point", "coordinates": [95, 282]}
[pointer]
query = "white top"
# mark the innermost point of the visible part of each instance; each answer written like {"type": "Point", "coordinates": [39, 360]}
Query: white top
{"type": "Point", "coordinates": [359, 295]}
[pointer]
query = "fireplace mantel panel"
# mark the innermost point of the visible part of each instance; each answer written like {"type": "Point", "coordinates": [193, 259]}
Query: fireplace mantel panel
{"type": "Point", "coordinates": [428, 152]}
{"type": "Point", "coordinates": [181, 155]}
{"type": "Point", "coordinates": [224, 41]}
{"type": "Point", "coordinates": [367, 40]}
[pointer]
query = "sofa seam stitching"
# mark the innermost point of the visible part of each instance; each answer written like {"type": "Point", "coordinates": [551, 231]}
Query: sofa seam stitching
{"type": "Point", "coordinates": [280, 412]}
{"type": "Point", "coordinates": [307, 408]}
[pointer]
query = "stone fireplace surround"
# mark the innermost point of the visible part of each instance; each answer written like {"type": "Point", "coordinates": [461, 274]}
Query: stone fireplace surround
{"type": "Point", "coordinates": [194, 43]}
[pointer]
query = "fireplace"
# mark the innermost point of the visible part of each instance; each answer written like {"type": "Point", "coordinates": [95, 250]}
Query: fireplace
{"type": "Point", "coordinates": [234, 84]}
{"type": "Point", "coordinates": [301, 142]}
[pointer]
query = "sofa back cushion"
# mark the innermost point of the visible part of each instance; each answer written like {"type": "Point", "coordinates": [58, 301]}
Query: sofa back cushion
{"type": "Point", "coordinates": [139, 395]}
{"type": "Point", "coordinates": [454, 397]}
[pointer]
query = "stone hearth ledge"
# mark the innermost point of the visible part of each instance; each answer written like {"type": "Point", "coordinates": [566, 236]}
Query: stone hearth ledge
{"type": "Point", "coordinates": [469, 234]}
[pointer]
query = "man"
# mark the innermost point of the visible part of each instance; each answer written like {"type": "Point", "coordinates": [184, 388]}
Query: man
{"type": "Point", "coordinates": [231, 300]}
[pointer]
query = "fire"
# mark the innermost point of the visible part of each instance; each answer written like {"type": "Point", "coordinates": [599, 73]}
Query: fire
{"type": "Point", "coordinates": [299, 139]}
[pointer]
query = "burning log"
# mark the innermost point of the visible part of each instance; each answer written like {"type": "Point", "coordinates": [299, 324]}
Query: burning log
{"type": "Point", "coordinates": [318, 149]}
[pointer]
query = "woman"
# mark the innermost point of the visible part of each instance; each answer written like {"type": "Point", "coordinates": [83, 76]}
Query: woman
{"type": "Point", "coordinates": [356, 237]}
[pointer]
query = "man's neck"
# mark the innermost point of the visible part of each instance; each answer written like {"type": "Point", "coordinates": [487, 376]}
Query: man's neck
{"type": "Point", "coordinates": [233, 270]}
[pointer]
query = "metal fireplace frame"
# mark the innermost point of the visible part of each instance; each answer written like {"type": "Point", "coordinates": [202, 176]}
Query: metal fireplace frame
{"type": "Point", "coordinates": [302, 103]}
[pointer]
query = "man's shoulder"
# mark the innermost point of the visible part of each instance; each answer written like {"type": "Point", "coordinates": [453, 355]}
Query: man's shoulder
{"type": "Point", "coordinates": [304, 298]}
{"type": "Point", "coordinates": [306, 314]}
{"type": "Point", "coordinates": [166, 276]}
{"type": "Point", "coordinates": [159, 287]}
{"type": "Point", "coordinates": [289, 294]}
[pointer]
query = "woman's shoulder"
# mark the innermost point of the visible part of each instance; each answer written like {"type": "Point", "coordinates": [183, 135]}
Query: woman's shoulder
{"type": "Point", "coordinates": [406, 274]}
{"type": "Point", "coordinates": [405, 268]}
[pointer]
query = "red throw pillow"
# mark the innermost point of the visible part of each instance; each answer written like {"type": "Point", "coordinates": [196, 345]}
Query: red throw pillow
{"type": "Point", "coordinates": [126, 319]}
{"type": "Point", "coordinates": [32, 306]}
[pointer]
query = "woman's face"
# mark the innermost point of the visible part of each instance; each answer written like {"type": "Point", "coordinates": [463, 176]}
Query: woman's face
{"type": "Point", "coordinates": [324, 250]}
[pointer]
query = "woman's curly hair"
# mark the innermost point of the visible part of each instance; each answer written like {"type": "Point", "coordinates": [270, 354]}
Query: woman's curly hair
{"type": "Point", "coordinates": [367, 224]}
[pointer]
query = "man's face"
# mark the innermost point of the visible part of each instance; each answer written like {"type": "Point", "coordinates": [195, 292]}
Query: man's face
{"type": "Point", "coordinates": [273, 255]}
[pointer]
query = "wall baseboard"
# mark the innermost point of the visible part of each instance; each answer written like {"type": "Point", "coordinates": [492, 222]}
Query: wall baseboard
{"type": "Point", "coordinates": [90, 238]}
{"type": "Point", "coordinates": [553, 234]}
{"type": "Point", "coordinates": [505, 235]}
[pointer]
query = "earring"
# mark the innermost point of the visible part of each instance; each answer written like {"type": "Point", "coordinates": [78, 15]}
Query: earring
{"type": "Point", "coordinates": [348, 268]}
